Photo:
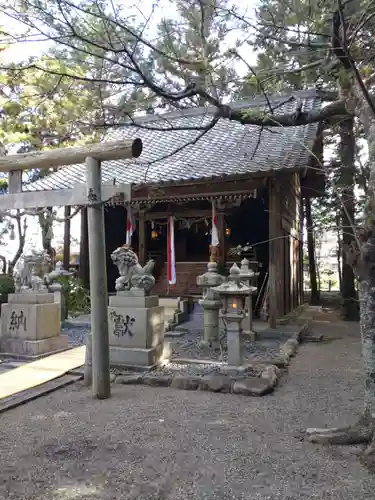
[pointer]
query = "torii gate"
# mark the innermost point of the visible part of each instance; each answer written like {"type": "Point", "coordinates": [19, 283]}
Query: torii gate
{"type": "Point", "coordinates": [92, 195]}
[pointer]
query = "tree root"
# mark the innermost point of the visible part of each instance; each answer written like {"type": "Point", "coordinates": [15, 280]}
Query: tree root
{"type": "Point", "coordinates": [360, 433]}
{"type": "Point", "coordinates": [368, 457]}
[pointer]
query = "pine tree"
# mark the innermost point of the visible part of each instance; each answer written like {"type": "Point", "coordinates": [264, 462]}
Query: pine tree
{"type": "Point", "coordinates": [294, 44]}
{"type": "Point", "coordinates": [199, 31]}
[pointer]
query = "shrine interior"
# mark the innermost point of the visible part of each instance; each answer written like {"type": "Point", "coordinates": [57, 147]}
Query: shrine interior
{"type": "Point", "coordinates": [246, 223]}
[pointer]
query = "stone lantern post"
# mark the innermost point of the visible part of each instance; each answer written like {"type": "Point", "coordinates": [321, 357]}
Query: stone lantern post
{"type": "Point", "coordinates": [247, 277]}
{"type": "Point", "coordinates": [56, 288]}
{"type": "Point", "coordinates": [234, 294]}
{"type": "Point", "coordinates": [211, 304]}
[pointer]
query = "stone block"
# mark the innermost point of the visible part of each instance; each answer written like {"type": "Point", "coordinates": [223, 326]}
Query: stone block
{"type": "Point", "coordinates": [235, 342]}
{"type": "Point", "coordinates": [133, 301]}
{"type": "Point", "coordinates": [31, 298]}
{"type": "Point", "coordinates": [216, 383]}
{"type": "Point", "coordinates": [128, 357]}
{"type": "Point", "coordinates": [30, 321]}
{"type": "Point", "coordinates": [135, 328]}
{"type": "Point", "coordinates": [129, 379]}
{"type": "Point", "coordinates": [34, 347]}
{"type": "Point", "coordinates": [184, 307]}
{"type": "Point", "coordinates": [185, 383]}
{"type": "Point", "coordinates": [134, 292]}
{"type": "Point", "coordinates": [271, 373]}
{"type": "Point", "coordinates": [253, 387]}
{"type": "Point", "coordinates": [157, 380]}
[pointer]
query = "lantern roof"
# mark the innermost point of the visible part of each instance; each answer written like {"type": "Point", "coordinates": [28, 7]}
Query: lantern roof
{"type": "Point", "coordinates": [233, 286]}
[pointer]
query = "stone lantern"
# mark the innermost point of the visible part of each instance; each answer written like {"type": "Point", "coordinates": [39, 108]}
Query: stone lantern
{"type": "Point", "coordinates": [247, 277]}
{"type": "Point", "coordinates": [211, 304]}
{"type": "Point", "coordinates": [233, 293]}
{"type": "Point", "coordinates": [56, 287]}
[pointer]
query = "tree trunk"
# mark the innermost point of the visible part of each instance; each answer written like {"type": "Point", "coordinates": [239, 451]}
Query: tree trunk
{"type": "Point", "coordinates": [363, 260]}
{"type": "Point", "coordinates": [314, 296]}
{"type": "Point", "coordinates": [21, 243]}
{"type": "Point", "coordinates": [367, 322]}
{"type": "Point", "coordinates": [345, 183]}
{"type": "Point", "coordinates": [46, 222]}
{"type": "Point", "coordinates": [339, 251]}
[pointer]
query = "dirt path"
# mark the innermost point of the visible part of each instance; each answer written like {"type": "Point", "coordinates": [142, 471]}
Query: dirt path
{"type": "Point", "coordinates": [147, 443]}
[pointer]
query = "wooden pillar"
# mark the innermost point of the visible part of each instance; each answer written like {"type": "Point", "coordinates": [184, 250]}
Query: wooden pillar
{"type": "Point", "coordinates": [222, 243]}
{"type": "Point", "coordinates": [84, 250]}
{"type": "Point", "coordinates": [274, 246]}
{"type": "Point", "coordinates": [142, 239]}
{"type": "Point", "coordinates": [301, 266]}
{"type": "Point", "coordinates": [66, 251]}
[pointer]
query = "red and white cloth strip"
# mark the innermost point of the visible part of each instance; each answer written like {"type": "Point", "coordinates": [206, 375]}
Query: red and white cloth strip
{"type": "Point", "coordinates": [214, 232]}
{"type": "Point", "coordinates": [171, 252]}
{"type": "Point", "coordinates": [130, 225]}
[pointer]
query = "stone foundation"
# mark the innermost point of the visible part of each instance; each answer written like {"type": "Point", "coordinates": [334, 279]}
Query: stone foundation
{"type": "Point", "coordinates": [35, 348]}
{"type": "Point", "coordinates": [136, 329]}
{"type": "Point", "coordinates": [136, 357]}
{"type": "Point", "coordinates": [30, 325]}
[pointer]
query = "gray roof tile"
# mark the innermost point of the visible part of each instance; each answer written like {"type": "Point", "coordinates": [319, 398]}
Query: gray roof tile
{"type": "Point", "coordinates": [229, 148]}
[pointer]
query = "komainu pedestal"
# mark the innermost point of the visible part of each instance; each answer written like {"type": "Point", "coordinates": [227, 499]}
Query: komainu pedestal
{"type": "Point", "coordinates": [136, 321]}
{"type": "Point", "coordinates": [136, 329]}
{"type": "Point", "coordinates": [30, 325]}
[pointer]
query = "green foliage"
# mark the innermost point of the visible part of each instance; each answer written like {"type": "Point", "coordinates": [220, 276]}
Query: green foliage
{"type": "Point", "coordinates": [197, 34]}
{"type": "Point", "coordinates": [6, 287]}
{"type": "Point", "coordinates": [76, 297]}
{"type": "Point", "coordinates": [42, 110]}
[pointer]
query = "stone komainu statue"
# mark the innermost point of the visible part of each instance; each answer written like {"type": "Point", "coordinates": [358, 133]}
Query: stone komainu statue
{"type": "Point", "coordinates": [132, 274]}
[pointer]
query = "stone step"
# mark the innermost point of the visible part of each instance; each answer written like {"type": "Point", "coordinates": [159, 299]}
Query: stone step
{"type": "Point", "coordinates": [168, 302]}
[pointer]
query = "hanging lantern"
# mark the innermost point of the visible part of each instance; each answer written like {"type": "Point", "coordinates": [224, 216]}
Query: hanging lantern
{"type": "Point", "coordinates": [227, 231]}
{"type": "Point", "coordinates": [154, 233]}
{"type": "Point", "coordinates": [12, 234]}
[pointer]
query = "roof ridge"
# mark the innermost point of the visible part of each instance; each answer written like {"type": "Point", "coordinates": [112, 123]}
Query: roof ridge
{"type": "Point", "coordinates": [197, 111]}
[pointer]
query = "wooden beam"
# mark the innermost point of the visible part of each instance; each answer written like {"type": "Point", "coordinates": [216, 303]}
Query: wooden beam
{"type": "Point", "coordinates": [84, 250]}
{"type": "Point", "coordinates": [222, 241]}
{"type": "Point", "coordinates": [66, 252]}
{"type": "Point", "coordinates": [274, 218]}
{"type": "Point", "coordinates": [60, 197]}
{"type": "Point", "coordinates": [142, 248]}
{"type": "Point", "coordinates": [15, 181]}
{"type": "Point", "coordinates": [182, 215]}
{"type": "Point", "coordinates": [129, 148]}
{"type": "Point", "coordinates": [183, 191]}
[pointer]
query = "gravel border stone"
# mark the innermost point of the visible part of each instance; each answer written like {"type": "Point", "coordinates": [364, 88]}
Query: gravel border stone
{"type": "Point", "coordinates": [191, 369]}
{"type": "Point", "coordinates": [253, 379]}
{"type": "Point", "coordinates": [257, 380]}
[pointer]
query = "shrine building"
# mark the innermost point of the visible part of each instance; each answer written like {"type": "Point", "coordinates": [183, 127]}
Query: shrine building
{"type": "Point", "coordinates": [255, 178]}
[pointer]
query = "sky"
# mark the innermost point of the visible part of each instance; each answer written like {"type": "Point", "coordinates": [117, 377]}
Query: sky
{"type": "Point", "coordinates": [21, 51]}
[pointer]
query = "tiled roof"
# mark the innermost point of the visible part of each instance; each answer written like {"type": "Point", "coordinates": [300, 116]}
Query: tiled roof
{"type": "Point", "coordinates": [228, 148]}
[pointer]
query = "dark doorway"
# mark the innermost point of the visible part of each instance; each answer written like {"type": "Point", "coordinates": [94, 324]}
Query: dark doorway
{"type": "Point", "coordinates": [115, 236]}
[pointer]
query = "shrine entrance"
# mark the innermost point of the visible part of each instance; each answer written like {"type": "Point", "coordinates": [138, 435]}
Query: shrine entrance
{"type": "Point", "coordinates": [245, 222]}
{"type": "Point", "coordinates": [29, 303]}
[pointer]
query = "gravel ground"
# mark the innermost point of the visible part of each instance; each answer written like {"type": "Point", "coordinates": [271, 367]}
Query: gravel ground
{"type": "Point", "coordinates": [188, 345]}
{"type": "Point", "coordinates": [193, 369]}
{"type": "Point", "coordinates": [76, 335]}
{"type": "Point", "coordinates": [160, 443]}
